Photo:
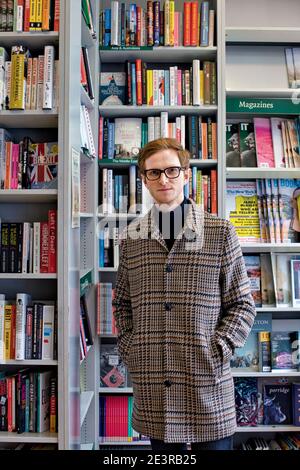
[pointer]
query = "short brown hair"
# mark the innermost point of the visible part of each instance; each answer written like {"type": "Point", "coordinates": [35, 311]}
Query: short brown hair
{"type": "Point", "coordinates": [163, 144]}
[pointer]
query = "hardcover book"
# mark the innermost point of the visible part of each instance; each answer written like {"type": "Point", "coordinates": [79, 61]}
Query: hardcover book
{"type": "Point", "coordinates": [112, 370]}
{"type": "Point", "coordinates": [245, 391]}
{"type": "Point", "coordinates": [128, 137]}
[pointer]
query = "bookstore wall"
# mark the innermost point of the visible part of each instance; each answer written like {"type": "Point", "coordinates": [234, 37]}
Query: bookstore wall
{"type": "Point", "coordinates": [221, 77]}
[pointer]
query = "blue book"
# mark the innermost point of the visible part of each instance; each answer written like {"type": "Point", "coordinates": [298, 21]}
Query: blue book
{"type": "Point", "coordinates": [133, 83]}
{"type": "Point", "coordinates": [107, 27]}
{"type": "Point", "coordinates": [101, 249]}
{"type": "Point", "coordinates": [111, 140]}
{"type": "Point", "coordinates": [167, 87]}
{"type": "Point", "coordinates": [247, 357]}
{"type": "Point", "coordinates": [204, 23]}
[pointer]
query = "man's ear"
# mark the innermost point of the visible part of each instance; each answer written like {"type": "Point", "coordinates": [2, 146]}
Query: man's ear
{"type": "Point", "coordinates": [144, 179]}
{"type": "Point", "coordinates": [187, 173]}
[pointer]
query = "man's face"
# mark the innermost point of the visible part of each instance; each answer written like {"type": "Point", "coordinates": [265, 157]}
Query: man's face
{"type": "Point", "coordinates": [165, 190]}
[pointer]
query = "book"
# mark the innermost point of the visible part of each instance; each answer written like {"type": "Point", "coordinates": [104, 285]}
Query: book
{"type": "Point", "coordinates": [247, 357]}
{"type": "Point", "coordinates": [112, 88]}
{"type": "Point", "coordinates": [128, 137]}
{"type": "Point", "coordinates": [295, 272]}
{"type": "Point", "coordinates": [112, 370]}
{"type": "Point", "coordinates": [264, 145]}
{"type": "Point", "coordinates": [296, 403]}
{"type": "Point", "coordinates": [242, 210]}
{"type": "Point", "coordinates": [247, 144]}
{"type": "Point", "coordinates": [246, 403]}
{"type": "Point", "coordinates": [264, 351]}
{"type": "Point", "coordinates": [277, 404]}
{"type": "Point", "coordinates": [252, 263]}
{"type": "Point", "coordinates": [282, 354]}
{"type": "Point", "coordinates": [233, 157]}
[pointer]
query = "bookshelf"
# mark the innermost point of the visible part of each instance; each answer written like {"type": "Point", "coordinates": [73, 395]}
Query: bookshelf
{"type": "Point", "coordinates": [89, 365]}
{"type": "Point", "coordinates": [114, 59]}
{"type": "Point", "coordinates": [256, 35]}
{"type": "Point", "coordinates": [32, 206]}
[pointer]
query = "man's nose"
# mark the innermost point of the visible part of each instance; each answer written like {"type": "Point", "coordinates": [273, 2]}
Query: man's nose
{"type": "Point", "coordinates": [163, 179]}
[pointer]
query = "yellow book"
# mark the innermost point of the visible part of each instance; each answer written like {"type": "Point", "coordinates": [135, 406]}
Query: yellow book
{"type": "Point", "coordinates": [46, 15]}
{"type": "Point", "coordinates": [39, 15]}
{"type": "Point", "coordinates": [150, 87]}
{"type": "Point", "coordinates": [171, 22]}
{"type": "Point", "coordinates": [18, 81]}
{"type": "Point", "coordinates": [167, 23]}
{"type": "Point", "coordinates": [201, 87]}
{"type": "Point", "coordinates": [7, 330]}
{"type": "Point", "coordinates": [32, 15]}
{"type": "Point", "coordinates": [199, 198]}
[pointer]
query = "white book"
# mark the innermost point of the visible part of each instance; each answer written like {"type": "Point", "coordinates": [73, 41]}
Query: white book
{"type": "Point", "coordinates": [196, 82]}
{"type": "Point", "coordinates": [114, 6]}
{"type": "Point", "coordinates": [3, 59]}
{"type": "Point", "coordinates": [104, 191]}
{"type": "Point", "coordinates": [277, 142]}
{"type": "Point", "coordinates": [22, 300]}
{"type": "Point", "coordinates": [157, 127]}
{"type": "Point", "coordinates": [296, 57]}
{"type": "Point", "coordinates": [176, 84]}
{"type": "Point", "coordinates": [172, 87]}
{"type": "Point", "coordinates": [40, 82]}
{"type": "Point", "coordinates": [43, 401]}
{"type": "Point", "coordinates": [150, 122]}
{"type": "Point", "coordinates": [19, 17]}
{"type": "Point", "coordinates": [36, 247]}
{"type": "Point", "coordinates": [48, 77]}
{"type": "Point", "coordinates": [116, 246]}
{"type": "Point", "coordinates": [182, 130]}
{"type": "Point", "coordinates": [25, 247]}
{"type": "Point", "coordinates": [48, 332]}
{"type": "Point", "coordinates": [7, 83]}
{"type": "Point", "coordinates": [83, 130]}
{"type": "Point", "coordinates": [31, 249]}
{"type": "Point", "coordinates": [164, 124]}
{"type": "Point", "coordinates": [90, 136]}
{"type": "Point", "coordinates": [2, 308]}
{"type": "Point", "coordinates": [110, 191]}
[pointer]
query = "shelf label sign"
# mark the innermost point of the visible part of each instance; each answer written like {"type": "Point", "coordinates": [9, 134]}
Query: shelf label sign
{"type": "Point", "coordinates": [264, 105]}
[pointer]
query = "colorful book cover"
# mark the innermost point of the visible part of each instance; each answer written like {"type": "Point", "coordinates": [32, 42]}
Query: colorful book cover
{"type": "Point", "coordinates": [112, 370]}
{"type": "Point", "coordinates": [247, 144]}
{"type": "Point", "coordinates": [264, 144]}
{"type": "Point", "coordinates": [128, 137]}
{"type": "Point", "coordinates": [43, 163]}
{"type": "Point", "coordinates": [282, 353]}
{"type": "Point", "coordinates": [246, 401]}
{"type": "Point", "coordinates": [233, 158]}
{"type": "Point", "coordinates": [252, 263]}
{"type": "Point", "coordinates": [247, 357]}
{"type": "Point", "coordinates": [277, 404]}
{"type": "Point", "coordinates": [242, 210]}
{"type": "Point", "coordinates": [112, 88]}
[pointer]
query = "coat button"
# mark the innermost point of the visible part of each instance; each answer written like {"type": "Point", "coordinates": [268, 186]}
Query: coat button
{"type": "Point", "coordinates": [169, 268]}
{"type": "Point", "coordinates": [168, 383]}
{"type": "Point", "coordinates": [168, 306]}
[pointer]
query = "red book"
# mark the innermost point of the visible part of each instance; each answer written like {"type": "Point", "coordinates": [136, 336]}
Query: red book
{"type": "Point", "coordinates": [138, 25]}
{"type": "Point", "coordinates": [56, 15]}
{"type": "Point", "coordinates": [44, 260]}
{"type": "Point", "coordinates": [139, 88]}
{"type": "Point", "coordinates": [213, 192]}
{"type": "Point", "coordinates": [187, 24]}
{"type": "Point", "coordinates": [194, 24]}
{"type": "Point", "coordinates": [26, 16]}
{"type": "Point", "coordinates": [52, 230]}
{"type": "Point", "coordinates": [13, 332]}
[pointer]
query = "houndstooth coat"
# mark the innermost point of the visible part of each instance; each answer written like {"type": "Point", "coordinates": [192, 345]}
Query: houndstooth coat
{"type": "Point", "coordinates": [180, 314]}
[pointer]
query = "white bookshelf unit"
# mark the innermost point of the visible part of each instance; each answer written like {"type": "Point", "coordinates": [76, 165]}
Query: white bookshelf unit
{"type": "Point", "coordinates": [257, 34]}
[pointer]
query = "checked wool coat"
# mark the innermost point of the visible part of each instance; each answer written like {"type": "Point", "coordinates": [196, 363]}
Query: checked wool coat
{"type": "Point", "coordinates": [180, 314]}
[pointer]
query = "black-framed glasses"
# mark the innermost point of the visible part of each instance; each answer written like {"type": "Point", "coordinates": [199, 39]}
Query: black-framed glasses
{"type": "Point", "coordinates": [171, 172]}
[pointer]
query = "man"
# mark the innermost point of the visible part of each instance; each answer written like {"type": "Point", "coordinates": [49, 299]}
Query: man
{"type": "Point", "coordinates": [183, 304]}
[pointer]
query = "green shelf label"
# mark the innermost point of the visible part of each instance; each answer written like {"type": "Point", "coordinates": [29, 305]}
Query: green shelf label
{"type": "Point", "coordinates": [264, 105]}
{"type": "Point", "coordinates": [107, 161]}
{"type": "Point", "coordinates": [126, 48]}
{"type": "Point", "coordinates": [85, 282]}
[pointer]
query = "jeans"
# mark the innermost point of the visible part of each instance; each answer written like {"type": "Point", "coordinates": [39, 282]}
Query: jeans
{"type": "Point", "coordinates": [175, 447]}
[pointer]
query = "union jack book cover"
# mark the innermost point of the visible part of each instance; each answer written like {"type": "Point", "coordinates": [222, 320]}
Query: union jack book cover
{"type": "Point", "coordinates": [43, 162]}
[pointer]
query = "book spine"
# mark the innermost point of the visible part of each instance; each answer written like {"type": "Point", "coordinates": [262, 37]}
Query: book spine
{"type": "Point", "coordinates": [17, 91]}
{"type": "Point", "coordinates": [32, 17]}
{"type": "Point", "coordinates": [46, 15]}
{"type": "Point", "coordinates": [56, 15]}
{"type": "Point", "coordinates": [264, 351]}
{"type": "Point", "coordinates": [44, 261]}
{"type": "Point", "coordinates": [40, 81]}
{"type": "Point", "coordinates": [48, 77]}
{"type": "Point", "coordinates": [36, 247]}
{"type": "Point", "coordinates": [52, 217]}
{"type": "Point", "coordinates": [21, 304]}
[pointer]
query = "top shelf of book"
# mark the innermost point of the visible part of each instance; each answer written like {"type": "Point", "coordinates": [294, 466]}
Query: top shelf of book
{"type": "Point", "coordinates": [157, 54]}
{"type": "Point", "coordinates": [263, 35]}
{"type": "Point", "coordinates": [31, 40]}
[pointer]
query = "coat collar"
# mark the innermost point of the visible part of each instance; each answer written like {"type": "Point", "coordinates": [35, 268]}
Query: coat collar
{"type": "Point", "coordinates": [192, 230]}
